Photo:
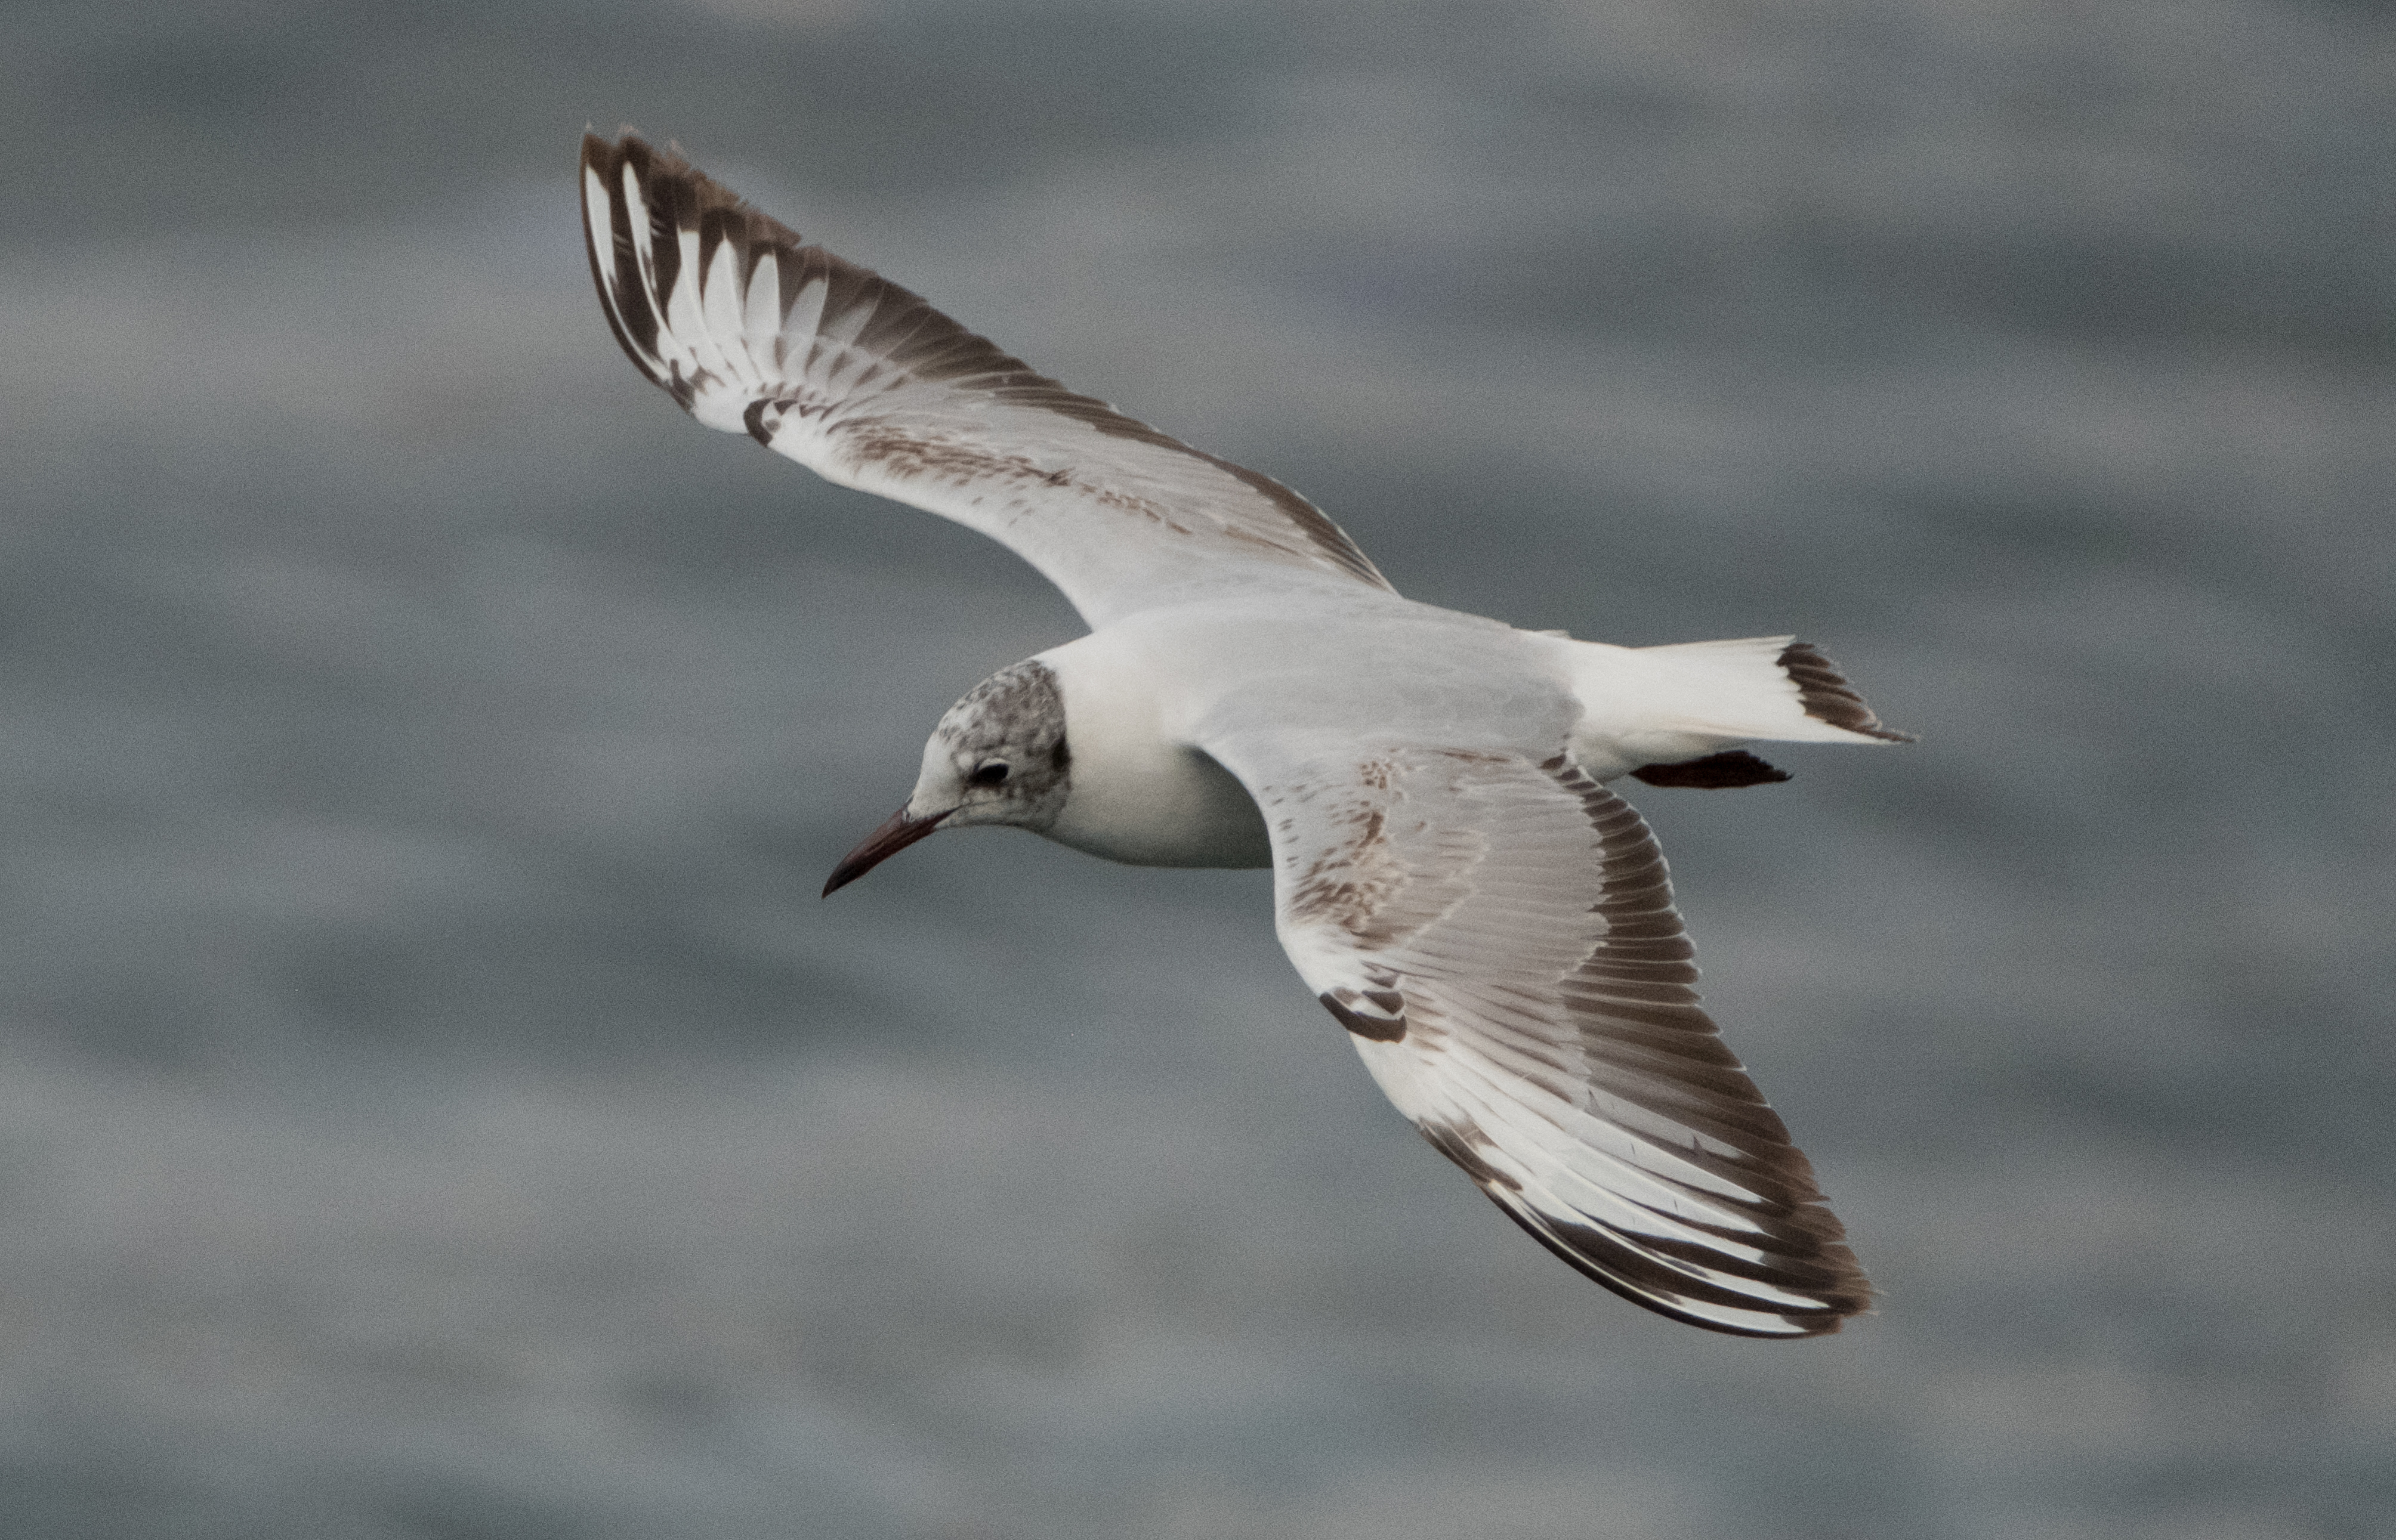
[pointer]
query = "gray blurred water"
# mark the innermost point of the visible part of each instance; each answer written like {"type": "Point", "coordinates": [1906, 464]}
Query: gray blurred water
{"type": "Point", "coordinates": [433, 1103]}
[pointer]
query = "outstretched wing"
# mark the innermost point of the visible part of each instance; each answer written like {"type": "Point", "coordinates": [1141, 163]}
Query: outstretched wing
{"type": "Point", "coordinates": [867, 385]}
{"type": "Point", "coordinates": [1498, 935]}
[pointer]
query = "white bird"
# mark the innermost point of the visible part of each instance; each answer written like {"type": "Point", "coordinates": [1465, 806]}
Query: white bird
{"type": "Point", "coordinates": [1451, 876]}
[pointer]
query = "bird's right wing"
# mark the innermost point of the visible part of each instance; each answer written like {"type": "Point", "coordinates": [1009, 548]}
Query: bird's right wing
{"type": "Point", "coordinates": [1496, 933]}
{"type": "Point", "coordinates": [869, 386]}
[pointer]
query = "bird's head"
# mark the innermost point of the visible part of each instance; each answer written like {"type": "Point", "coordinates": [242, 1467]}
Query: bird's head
{"type": "Point", "coordinates": [997, 756]}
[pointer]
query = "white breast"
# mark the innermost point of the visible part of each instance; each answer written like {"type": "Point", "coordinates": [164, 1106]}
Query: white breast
{"type": "Point", "coordinates": [1138, 793]}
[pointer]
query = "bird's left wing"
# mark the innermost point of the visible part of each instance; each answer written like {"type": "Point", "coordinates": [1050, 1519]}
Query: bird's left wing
{"type": "Point", "coordinates": [869, 386]}
{"type": "Point", "coordinates": [1496, 933]}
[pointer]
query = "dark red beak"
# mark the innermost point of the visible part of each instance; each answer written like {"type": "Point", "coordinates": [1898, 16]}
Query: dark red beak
{"type": "Point", "coordinates": [896, 835]}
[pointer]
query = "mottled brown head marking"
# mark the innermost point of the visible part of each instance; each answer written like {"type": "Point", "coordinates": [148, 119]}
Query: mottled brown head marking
{"type": "Point", "coordinates": [1001, 754]}
{"type": "Point", "coordinates": [1017, 706]}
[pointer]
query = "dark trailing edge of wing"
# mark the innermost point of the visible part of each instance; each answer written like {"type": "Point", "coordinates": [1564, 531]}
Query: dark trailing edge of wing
{"type": "Point", "coordinates": [1592, 1252]}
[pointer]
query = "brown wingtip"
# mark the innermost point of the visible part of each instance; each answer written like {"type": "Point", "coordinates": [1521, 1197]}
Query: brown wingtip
{"type": "Point", "coordinates": [622, 297]}
{"type": "Point", "coordinates": [688, 192]}
{"type": "Point", "coordinates": [676, 196]}
{"type": "Point", "coordinates": [1826, 696]}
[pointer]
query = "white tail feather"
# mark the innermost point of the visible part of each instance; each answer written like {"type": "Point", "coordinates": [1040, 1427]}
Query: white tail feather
{"type": "Point", "coordinates": [1642, 706]}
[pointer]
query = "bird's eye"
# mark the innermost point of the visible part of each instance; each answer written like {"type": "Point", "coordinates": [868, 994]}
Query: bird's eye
{"type": "Point", "coordinates": [991, 774]}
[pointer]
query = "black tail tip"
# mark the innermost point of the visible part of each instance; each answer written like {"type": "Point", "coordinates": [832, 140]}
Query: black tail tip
{"type": "Point", "coordinates": [1826, 696]}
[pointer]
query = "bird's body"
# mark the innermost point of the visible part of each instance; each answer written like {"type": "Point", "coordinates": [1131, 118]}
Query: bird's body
{"type": "Point", "coordinates": [1153, 686]}
{"type": "Point", "coordinates": [1493, 926]}
{"type": "Point", "coordinates": [1146, 692]}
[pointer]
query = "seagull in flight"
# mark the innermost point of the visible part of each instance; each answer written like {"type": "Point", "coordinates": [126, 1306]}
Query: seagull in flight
{"type": "Point", "coordinates": [1452, 876]}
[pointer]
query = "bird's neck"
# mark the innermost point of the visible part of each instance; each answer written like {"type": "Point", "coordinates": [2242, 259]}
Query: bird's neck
{"type": "Point", "coordinates": [1140, 791]}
